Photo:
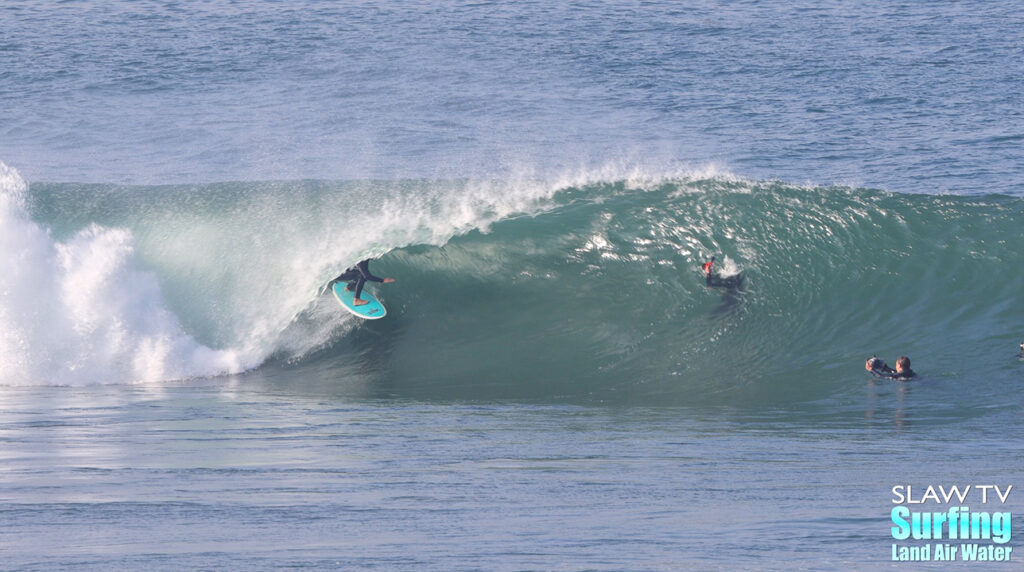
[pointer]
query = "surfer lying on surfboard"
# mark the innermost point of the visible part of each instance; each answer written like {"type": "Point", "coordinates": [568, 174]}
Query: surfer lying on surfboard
{"type": "Point", "coordinates": [357, 276]}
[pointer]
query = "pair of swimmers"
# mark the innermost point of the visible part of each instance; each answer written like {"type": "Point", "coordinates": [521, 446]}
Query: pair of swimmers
{"type": "Point", "coordinates": [878, 368]}
{"type": "Point", "coordinates": [902, 372]}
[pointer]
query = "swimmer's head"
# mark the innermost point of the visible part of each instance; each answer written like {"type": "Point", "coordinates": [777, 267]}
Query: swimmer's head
{"type": "Point", "coordinates": [902, 364]}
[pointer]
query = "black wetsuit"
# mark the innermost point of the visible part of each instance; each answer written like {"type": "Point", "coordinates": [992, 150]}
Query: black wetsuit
{"type": "Point", "coordinates": [887, 372]}
{"type": "Point", "coordinates": [716, 281]}
{"type": "Point", "coordinates": [356, 277]}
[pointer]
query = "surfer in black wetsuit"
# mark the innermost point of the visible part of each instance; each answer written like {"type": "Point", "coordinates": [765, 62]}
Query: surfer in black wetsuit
{"type": "Point", "coordinates": [712, 278]}
{"type": "Point", "coordinates": [878, 368]}
{"type": "Point", "coordinates": [357, 276]}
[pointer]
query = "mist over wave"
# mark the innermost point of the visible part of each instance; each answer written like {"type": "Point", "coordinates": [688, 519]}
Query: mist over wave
{"type": "Point", "coordinates": [582, 287]}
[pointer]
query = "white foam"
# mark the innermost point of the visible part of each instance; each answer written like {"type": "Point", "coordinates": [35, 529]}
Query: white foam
{"type": "Point", "coordinates": [81, 311]}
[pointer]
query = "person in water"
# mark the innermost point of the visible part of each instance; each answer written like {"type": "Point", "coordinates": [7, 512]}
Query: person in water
{"type": "Point", "coordinates": [712, 278]}
{"type": "Point", "coordinates": [357, 277]}
{"type": "Point", "coordinates": [707, 268]}
{"type": "Point", "coordinates": [878, 368]}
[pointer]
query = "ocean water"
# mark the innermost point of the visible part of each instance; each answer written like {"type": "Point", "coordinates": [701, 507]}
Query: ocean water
{"type": "Point", "coordinates": [555, 387]}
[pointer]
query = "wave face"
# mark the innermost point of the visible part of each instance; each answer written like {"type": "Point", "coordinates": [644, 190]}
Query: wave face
{"type": "Point", "coordinates": [578, 289]}
{"type": "Point", "coordinates": [108, 283]}
{"type": "Point", "coordinates": [601, 297]}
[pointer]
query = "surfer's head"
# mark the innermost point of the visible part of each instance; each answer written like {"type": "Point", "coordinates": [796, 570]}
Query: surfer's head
{"type": "Point", "coordinates": [903, 364]}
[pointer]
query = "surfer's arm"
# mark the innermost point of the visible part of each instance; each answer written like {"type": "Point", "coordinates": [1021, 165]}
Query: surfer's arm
{"type": "Point", "coordinates": [880, 373]}
{"type": "Point", "coordinates": [886, 372]}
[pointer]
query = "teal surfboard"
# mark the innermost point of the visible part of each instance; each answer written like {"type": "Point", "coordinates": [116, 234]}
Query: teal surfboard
{"type": "Point", "coordinates": [372, 311]}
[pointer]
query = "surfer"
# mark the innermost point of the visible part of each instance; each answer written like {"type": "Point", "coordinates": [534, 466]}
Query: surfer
{"type": "Point", "coordinates": [878, 368]}
{"type": "Point", "coordinates": [903, 370]}
{"type": "Point", "coordinates": [707, 269]}
{"type": "Point", "coordinates": [357, 276]}
{"type": "Point", "coordinates": [714, 279]}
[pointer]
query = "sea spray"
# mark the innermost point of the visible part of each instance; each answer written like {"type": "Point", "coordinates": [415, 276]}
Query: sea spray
{"type": "Point", "coordinates": [82, 311]}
